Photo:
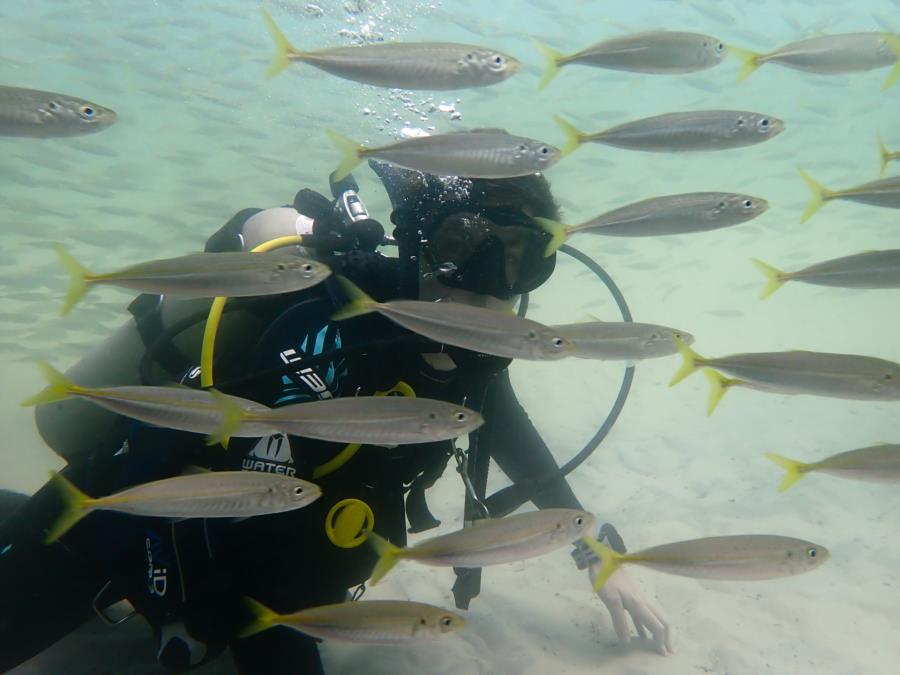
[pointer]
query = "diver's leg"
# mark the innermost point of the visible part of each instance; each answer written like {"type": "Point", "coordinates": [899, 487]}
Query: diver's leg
{"type": "Point", "coordinates": [277, 651]}
{"type": "Point", "coordinates": [46, 591]}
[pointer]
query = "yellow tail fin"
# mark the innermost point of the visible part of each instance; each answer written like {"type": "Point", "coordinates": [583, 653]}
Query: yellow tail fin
{"type": "Point", "coordinates": [263, 618]}
{"type": "Point", "coordinates": [558, 232]}
{"type": "Point", "coordinates": [387, 555]}
{"type": "Point", "coordinates": [749, 59]}
{"type": "Point", "coordinates": [885, 155]}
{"type": "Point", "coordinates": [76, 507]}
{"type": "Point", "coordinates": [80, 277]}
{"type": "Point", "coordinates": [691, 359]}
{"type": "Point", "coordinates": [553, 58]}
{"type": "Point", "coordinates": [283, 48]}
{"type": "Point", "coordinates": [795, 470]}
{"type": "Point", "coordinates": [893, 43]}
{"type": "Point", "coordinates": [820, 194]}
{"type": "Point", "coordinates": [353, 154]}
{"type": "Point", "coordinates": [718, 385]}
{"type": "Point", "coordinates": [573, 136]}
{"type": "Point", "coordinates": [232, 416]}
{"type": "Point", "coordinates": [775, 278]}
{"type": "Point", "coordinates": [610, 561]}
{"type": "Point", "coordinates": [58, 388]}
{"type": "Point", "coordinates": [360, 303]}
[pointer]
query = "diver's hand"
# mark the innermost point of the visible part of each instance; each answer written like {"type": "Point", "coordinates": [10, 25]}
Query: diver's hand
{"type": "Point", "coordinates": [620, 597]}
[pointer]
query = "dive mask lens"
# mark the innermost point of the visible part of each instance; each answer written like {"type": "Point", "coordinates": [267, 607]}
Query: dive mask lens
{"type": "Point", "coordinates": [478, 254]}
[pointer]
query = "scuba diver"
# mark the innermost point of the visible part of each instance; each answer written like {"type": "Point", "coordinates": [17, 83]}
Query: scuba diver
{"type": "Point", "coordinates": [469, 240]}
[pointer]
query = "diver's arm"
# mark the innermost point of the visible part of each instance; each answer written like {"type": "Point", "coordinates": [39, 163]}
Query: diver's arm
{"type": "Point", "coordinates": [521, 453]}
{"type": "Point", "coordinates": [518, 448]}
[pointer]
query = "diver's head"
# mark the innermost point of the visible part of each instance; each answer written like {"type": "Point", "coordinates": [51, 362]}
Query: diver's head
{"type": "Point", "coordinates": [473, 234]}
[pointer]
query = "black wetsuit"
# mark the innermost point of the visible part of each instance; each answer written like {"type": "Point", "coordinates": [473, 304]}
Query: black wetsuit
{"type": "Point", "coordinates": [187, 578]}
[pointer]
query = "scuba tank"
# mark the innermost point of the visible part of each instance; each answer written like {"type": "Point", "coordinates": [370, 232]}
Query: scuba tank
{"type": "Point", "coordinates": [163, 338]}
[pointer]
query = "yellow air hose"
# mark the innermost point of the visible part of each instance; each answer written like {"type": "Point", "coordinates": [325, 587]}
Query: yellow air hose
{"type": "Point", "coordinates": [218, 305]}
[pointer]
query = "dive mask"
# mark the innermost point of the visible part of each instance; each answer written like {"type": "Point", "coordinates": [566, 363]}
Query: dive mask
{"type": "Point", "coordinates": [498, 253]}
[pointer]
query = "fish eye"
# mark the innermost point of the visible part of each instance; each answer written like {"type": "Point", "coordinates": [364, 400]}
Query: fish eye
{"type": "Point", "coordinates": [446, 621]}
{"type": "Point", "coordinates": [460, 417]}
{"type": "Point", "coordinates": [544, 150]}
{"type": "Point", "coordinates": [764, 123]}
{"type": "Point", "coordinates": [87, 112]}
{"type": "Point", "coordinates": [811, 553]}
{"type": "Point", "coordinates": [499, 60]}
{"type": "Point", "coordinates": [579, 521]}
{"type": "Point", "coordinates": [558, 342]}
{"type": "Point", "coordinates": [747, 203]}
{"type": "Point", "coordinates": [720, 47]}
{"type": "Point", "coordinates": [307, 268]}
{"type": "Point", "coordinates": [298, 491]}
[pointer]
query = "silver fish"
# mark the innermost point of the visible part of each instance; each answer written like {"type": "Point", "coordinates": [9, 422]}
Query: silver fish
{"type": "Point", "coordinates": [475, 328]}
{"type": "Point", "coordinates": [801, 372]}
{"type": "Point", "coordinates": [747, 557]}
{"type": "Point", "coordinates": [210, 494]}
{"type": "Point", "coordinates": [377, 420]}
{"type": "Point", "coordinates": [873, 464]}
{"type": "Point", "coordinates": [490, 541]}
{"type": "Point", "coordinates": [471, 154]}
{"type": "Point", "coordinates": [884, 192]}
{"type": "Point", "coordinates": [31, 113]}
{"type": "Point", "coordinates": [380, 622]}
{"type": "Point", "coordinates": [697, 131]}
{"type": "Point", "coordinates": [660, 52]}
{"type": "Point", "coordinates": [871, 269]}
{"type": "Point", "coordinates": [621, 340]}
{"type": "Point", "coordinates": [830, 54]}
{"type": "Point", "coordinates": [201, 275]}
{"type": "Point", "coordinates": [671, 214]}
{"type": "Point", "coordinates": [194, 410]}
{"type": "Point", "coordinates": [437, 66]}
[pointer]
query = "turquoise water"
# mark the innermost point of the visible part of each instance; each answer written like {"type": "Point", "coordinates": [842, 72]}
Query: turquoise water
{"type": "Point", "coordinates": [202, 134]}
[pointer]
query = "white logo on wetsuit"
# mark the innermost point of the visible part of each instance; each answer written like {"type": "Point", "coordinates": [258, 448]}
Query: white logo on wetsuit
{"type": "Point", "coordinates": [270, 455]}
{"type": "Point", "coordinates": [157, 577]}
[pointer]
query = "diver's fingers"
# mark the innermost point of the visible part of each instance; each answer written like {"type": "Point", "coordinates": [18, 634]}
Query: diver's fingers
{"type": "Point", "coordinates": [642, 616]}
{"type": "Point", "coordinates": [619, 619]}
{"type": "Point", "coordinates": [667, 627]}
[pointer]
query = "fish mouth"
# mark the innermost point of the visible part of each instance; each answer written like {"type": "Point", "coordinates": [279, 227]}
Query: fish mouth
{"type": "Point", "coordinates": [513, 66]}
